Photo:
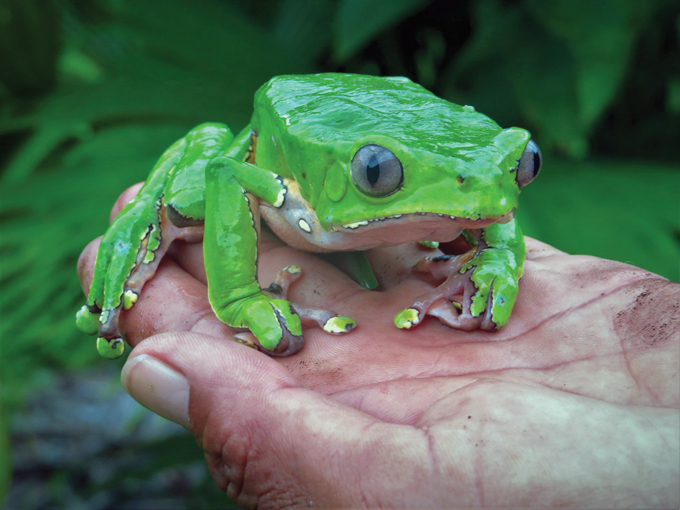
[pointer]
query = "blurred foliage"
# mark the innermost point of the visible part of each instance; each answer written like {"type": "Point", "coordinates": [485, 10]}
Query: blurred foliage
{"type": "Point", "coordinates": [91, 92]}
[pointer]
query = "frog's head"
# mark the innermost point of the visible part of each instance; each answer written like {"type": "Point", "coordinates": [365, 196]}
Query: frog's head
{"type": "Point", "coordinates": [431, 166]}
{"type": "Point", "coordinates": [433, 192]}
{"type": "Point", "coordinates": [398, 161]}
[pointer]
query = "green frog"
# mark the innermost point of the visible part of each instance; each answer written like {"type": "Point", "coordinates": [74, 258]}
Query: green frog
{"type": "Point", "coordinates": [331, 162]}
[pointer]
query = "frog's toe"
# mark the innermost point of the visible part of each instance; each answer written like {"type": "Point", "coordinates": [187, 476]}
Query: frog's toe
{"type": "Point", "coordinates": [450, 315]}
{"type": "Point", "coordinates": [112, 348]}
{"type": "Point", "coordinates": [407, 318]}
{"type": "Point", "coordinates": [339, 325]}
{"type": "Point", "coordinates": [130, 297]}
{"type": "Point", "coordinates": [500, 303]}
{"type": "Point", "coordinates": [246, 338]}
{"type": "Point", "coordinates": [286, 344]}
{"type": "Point", "coordinates": [87, 319]}
{"type": "Point", "coordinates": [471, 312]}
{"type": "Point", "coordinates": [327, 320]}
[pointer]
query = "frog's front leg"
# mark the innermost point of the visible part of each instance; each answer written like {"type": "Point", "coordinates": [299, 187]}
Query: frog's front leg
{"type": "Point", "coordinates": [232, 224]}
{"type": "Point", "coordinates": [480, 285]}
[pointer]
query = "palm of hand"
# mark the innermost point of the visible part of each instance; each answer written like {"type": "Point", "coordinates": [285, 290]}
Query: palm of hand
{"type": "Point", "coordinates": [527, 415]}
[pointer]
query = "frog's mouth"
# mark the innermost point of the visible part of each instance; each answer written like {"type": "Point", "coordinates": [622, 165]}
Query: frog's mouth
{"type": "Point", "coordinates": [401, 228]}
{"type": "Point", "coordinates": [424, 217]}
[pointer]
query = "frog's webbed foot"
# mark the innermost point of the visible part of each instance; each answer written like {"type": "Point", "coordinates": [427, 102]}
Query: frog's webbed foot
{"type": "Point", "coordinates": [124, 264]}
{"type": "Point", "coordinates": [290, 342]}
{"type": "Point", "coordinates": [451, 302]}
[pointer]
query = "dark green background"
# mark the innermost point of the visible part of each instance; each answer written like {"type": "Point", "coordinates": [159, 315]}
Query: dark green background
{"type": "Point", "coordinates": [91, 93]}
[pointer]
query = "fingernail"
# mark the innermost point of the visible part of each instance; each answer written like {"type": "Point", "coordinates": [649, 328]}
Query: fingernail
{"type": "Point", "coordinates": [158, 387]}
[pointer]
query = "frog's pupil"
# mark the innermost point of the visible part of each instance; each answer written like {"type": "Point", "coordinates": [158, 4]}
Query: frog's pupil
{"type": "Point", "coordinates": [373, 170]}
{"type": "Point", "coordinates": [537, 163]}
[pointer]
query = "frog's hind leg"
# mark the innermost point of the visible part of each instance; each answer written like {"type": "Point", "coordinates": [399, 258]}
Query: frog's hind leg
{"type": "Point", "coordinates": [140, 235]}
{"type": "Point", "coordinates": [145, 268]}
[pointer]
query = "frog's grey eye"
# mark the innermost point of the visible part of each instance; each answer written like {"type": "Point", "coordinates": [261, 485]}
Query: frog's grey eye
{"type": "Point", "coordinates": [529, 164]}
{"type": "Point", "coordinates": [376, 171]}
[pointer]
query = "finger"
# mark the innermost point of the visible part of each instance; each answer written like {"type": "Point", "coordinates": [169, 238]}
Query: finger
{"type": "Point", "coordinates": [86, 263]}
{"type": "Point", "coordinates": [123, 199]}
{"type": "Point", "coordinates": [268, 442]}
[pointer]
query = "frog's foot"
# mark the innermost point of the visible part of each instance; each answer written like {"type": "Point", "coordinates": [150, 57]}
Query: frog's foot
{"type": "Point", "coordinates": [274, 325]}
{"type": "Point", "coordinates": [91, 318]}
{"type": "Point", "coordinates": [266, 323]}
{"type": "Point", "coordinates": [329, 321]}
{"type": "Point", "coordinates": [451, 302]}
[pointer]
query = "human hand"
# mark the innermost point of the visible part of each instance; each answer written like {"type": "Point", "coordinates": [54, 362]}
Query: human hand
{"type": "Point", "coordinates": [574, 403]}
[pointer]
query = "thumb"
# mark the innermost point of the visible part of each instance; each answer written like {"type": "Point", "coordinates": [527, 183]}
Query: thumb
{"type": "Point", "coordinates": [268, 441]}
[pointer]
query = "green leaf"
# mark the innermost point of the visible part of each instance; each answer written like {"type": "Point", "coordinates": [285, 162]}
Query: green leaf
{"type": "Point", "coordinates": [674, 95]}
{"type": "Point", "coordinates": [359, 21]}
{"type": "Point", "coordinates": [191, 75]}
{"type": "Point", "coordinates": [601, 37]}
{"type": "Point", "coordinates": [29, 45]}
{"type": "Point", "coordinates": [304, 27]}
{"type": "Point", "coordinates": [619, 210]}
{"type": "Point", "coordinates": [561, 65]}
{"type": "Point", "coordinates": [512, 61]}
{"type": "Point", "coordinates": [40, 289]}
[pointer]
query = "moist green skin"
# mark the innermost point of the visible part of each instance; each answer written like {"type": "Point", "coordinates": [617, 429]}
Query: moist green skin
{"type": "Point", "coordinates": [456, 162]}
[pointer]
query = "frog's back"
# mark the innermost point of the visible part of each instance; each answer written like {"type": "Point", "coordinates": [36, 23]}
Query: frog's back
{"type": "Point", "coordinates": [334, 108]}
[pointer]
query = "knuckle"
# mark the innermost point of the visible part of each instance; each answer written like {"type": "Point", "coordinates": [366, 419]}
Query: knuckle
{"type": "Point", "coordinates": [86, 262]}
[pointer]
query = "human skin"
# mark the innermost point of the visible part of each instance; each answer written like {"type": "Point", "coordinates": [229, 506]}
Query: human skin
{"type": "Point", "coordinates": [574, 403]}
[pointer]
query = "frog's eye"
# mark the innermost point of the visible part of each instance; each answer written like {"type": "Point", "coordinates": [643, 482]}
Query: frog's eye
{"type": "Point", "coordinates": [529, 164]}
{"type": "Point", "coordinates": [376, 171]}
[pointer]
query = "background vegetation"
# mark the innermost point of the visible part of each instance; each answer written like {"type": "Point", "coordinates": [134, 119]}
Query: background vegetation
{"type": "Point", "coordinates": [91, 92]}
